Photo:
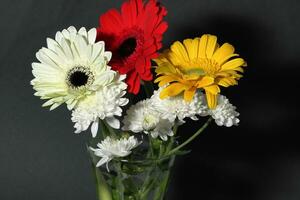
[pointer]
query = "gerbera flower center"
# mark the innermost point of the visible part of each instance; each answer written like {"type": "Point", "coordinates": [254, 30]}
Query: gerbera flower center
{"type": "Point", "coordinates": [209, 66]}
{"type": "Point", "coordinates": [195, 69]}
{"type": "Point", "coordinates": [79, 77]}
{"type": "Point", "coordinates": [127, 47]}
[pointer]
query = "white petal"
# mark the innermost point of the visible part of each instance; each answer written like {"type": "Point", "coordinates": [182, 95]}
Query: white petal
{"type": "Point", "coordinates": [97, 49]}
{"type": "Point", "coordinates": [82, 31]}
{"type": "Point", "coordinates": [108, 55]}
{"type": "Point", "coordinates": [66, 49]}
{"type": "Point", "coordinates": [102, 161]}
{"type": "Point", "coordinates": [105, 78]}
{"type": "Point", "coordinates": [94, 128]}
{"type": "Point", "coordinates": [92, 36]}
{"type": "Point", "coordinates": [113, 122]}
{"type": "Point", "coordinates": [72, 29]}
{"type": "Point", "coordinates": [43, 58]}
{"type": "Point", "coordinates": [52, 44]}
{"type": "Point", "coordinates": [58, 37]}
{"type": "Point", "coordinates": [53, 56]}
{"type": "Point", "coordinates": [81, 46]}
{"type": "Point", "coordinates": [66, 34]}
{"type": "Point", "coordinates": [55, 105]}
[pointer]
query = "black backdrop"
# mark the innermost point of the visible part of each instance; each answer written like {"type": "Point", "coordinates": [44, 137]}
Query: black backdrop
{"type": "Point", "coordinates": [259, 160]}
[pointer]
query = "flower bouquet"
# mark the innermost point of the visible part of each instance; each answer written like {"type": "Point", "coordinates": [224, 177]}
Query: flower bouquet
{"type": "Point", "coordinates": [99, 73]}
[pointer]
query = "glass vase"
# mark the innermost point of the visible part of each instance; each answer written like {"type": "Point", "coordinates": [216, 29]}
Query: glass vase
{"type": "Point", "coordinates": [132, 181]}
{"type": "Point", "coordinates": [143, 176]}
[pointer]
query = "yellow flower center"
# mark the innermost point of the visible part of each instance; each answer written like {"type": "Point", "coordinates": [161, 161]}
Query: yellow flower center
{"type": "Point", "coordinates": [209, 66]}
{"type": "Point", "coordinates": [193, 70]}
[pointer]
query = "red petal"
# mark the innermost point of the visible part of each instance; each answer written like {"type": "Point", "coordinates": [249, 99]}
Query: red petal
{"type": "Point", "coordinates": [161, 28]}
{"type": "Point", "coordinates": [149, 42]}
{"type": "Point", "coordinates": [111, 22]}
{"type": "Point", "coordinates": [146, 75]}
{"type": "Point", "coordinates": [133, 82]}
{"type": "Point", "coordinates": [151, 50]}
{"type": "Point", "coordinates": [129, 13]}
{"type": "Point", "coordinates": [140, 65]}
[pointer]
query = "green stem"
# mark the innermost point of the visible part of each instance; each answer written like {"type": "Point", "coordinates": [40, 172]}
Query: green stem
{"type": "Point", "coordinates": [119, 181]}
{"type": "Point", "coordinates": [148, 178]}
{"type": "Point", "coordinates": [161, 191]}
{"type": "Point", "coordinates": [147, 189]}
{"type": "Point", "coordinates": [102, 188]}
{"type": "Point", "coordinates": [150, 150]}
{"type": "Point", "coordinates": [191, 138]}
{"type": "Point", "coordinates": [103, 191]}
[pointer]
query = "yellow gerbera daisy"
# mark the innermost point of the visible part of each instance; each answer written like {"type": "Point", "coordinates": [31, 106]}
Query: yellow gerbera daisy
{"type": "Point", "coordinates": [198, 63]}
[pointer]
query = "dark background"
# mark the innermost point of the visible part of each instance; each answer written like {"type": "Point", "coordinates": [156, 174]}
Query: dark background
{"type": "Point", "coordinates": [41, 158]}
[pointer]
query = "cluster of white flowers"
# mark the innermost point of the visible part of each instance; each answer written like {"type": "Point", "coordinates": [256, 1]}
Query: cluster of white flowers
{"type": "Point", "coordinates": [111, 148]}
{"type": "Point", "coordinates": [143, 117]}
{"type": "Point", "coordinates": [157, 116]}
{"type": "Point", "coordinates": [225, 113]}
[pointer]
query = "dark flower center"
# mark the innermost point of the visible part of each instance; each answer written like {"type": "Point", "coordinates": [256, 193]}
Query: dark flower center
{"type": "Point", "coordinates": [79, 76]}
{"type": "Point", "coordinates": [127, 47]}
{"type": "Point", "coordinates": [78, 79]}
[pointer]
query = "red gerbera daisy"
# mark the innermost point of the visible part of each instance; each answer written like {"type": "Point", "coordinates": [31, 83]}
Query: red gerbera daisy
{"type": "Point", "coordinates": [134, 36]}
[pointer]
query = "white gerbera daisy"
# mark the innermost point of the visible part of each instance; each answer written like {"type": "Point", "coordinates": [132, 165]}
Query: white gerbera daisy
{"type": "Point", "coordinates": [143, 117]}
{"type": "Point", "coordinates": [225, 113]}
{"type": "Point", "coordinates": [104, 104]}
{"type": "Point", "coordinates": [177, 108]}
{"type": "Point", "coordinates": [111, 148]}
{"type": "Point", "coordinates": [72, 67]}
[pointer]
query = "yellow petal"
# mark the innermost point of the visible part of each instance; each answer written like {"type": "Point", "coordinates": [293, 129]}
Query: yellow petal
{"type": "Point", "coordinates": [162, 58]}
{"type": "Point", "coordinates": [191, 47]}
{"type": "Point", "coordinates": [229, 73]}
{"type": "Point", "coordinates": [172, 90]}
{"type": "Point", "coordinates": [211, 100]}
{"type": "Point", "coordinates": [189, 94]}
{"type": "Point", "coordinates": [233, 64]}
{"type": "Point", "coordinates": [180, 51]}
{"type": "Point", "coordinates": [239, 69]}
{"type": "Point", "coordinates": [213, 89]}
{"type": "Point", "coordinates": [205, 81]}
{"type": "Point", "coordinates": [223, 53]}
{"type": "Point", "coordinates": [226, 82]}
{"type": "Point", "coordinates": [202, 46]}
{"type": "Point", "coordinates": [163, 80]}
{"type": "Point", "coordinates": [159, 79]}
{"type": "Point", "coordinates": [211, 46]}
{"type": "Point", "coordinates": [165, 68]}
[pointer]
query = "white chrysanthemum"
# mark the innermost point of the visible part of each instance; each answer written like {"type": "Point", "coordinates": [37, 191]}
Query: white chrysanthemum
{"type": "Point", "coordinates": [111, 148]}
{"type": "Point", "coordinates": [72, 67]}
{"type": "Point", "coordinates": [143, 117]}
{"type": "Point", "coordinates": [225, 113]}
{"type": "Point", "coordinates": [176, 107]}
{"type": "Point", "coordinates": [104, 104]}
